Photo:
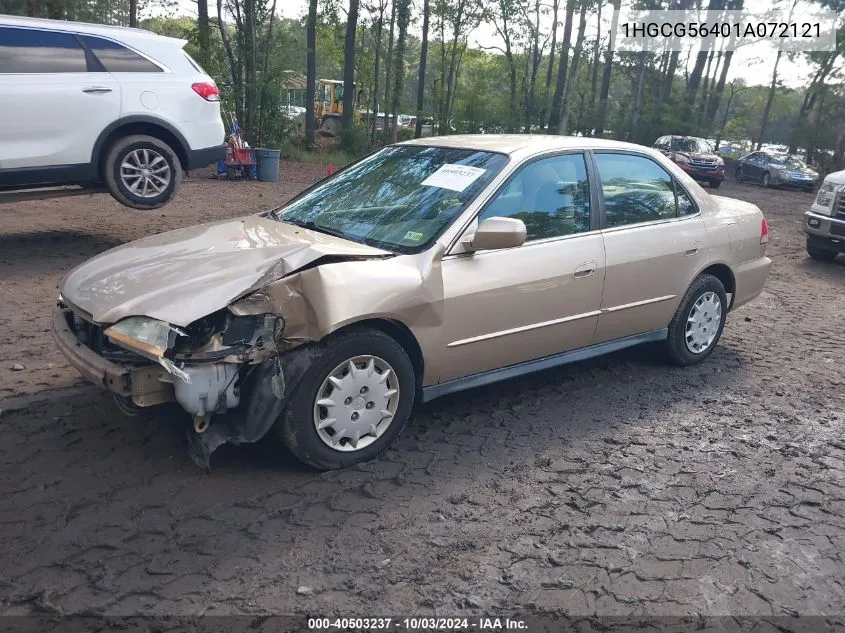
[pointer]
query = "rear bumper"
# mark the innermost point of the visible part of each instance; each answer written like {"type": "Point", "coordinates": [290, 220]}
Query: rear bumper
{"type": "Point", "coordinates": [105, 374]}
{"type": "Point", "coordinates": [749, 278]}
{"type": "Point", "coordinates": [202, 157]}
{"type": "Point", "coordinates": [825, 231]}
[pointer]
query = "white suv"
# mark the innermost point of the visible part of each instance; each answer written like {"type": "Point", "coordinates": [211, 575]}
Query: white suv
{"type": "Point", "coordinates": [92, 105]}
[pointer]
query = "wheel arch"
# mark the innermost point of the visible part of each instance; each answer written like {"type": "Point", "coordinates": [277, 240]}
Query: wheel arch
{"type": "Point", "coordinates": [139, 124]}
{"type": "Point", "coordinates": [399, 332]}
{"type": "Point", "coordinates": [724, 274]}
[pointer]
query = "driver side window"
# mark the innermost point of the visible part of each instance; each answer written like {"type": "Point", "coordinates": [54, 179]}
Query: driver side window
{"type": "Point", "coordinates": [551, 196]}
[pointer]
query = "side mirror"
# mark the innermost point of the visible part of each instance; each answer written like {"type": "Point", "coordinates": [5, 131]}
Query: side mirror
{"type": "Point", "coordinates": [496, 232]}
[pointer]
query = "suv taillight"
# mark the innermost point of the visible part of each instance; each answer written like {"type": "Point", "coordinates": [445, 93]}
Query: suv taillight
{"type": "Point", "coordinates": [207, 90]}
{"type": "Point", "coordinates": [764, 233]}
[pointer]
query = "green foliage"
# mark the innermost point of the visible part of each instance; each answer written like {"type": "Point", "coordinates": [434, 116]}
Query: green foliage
{"type": "Point", "coordinates": [355, 139]}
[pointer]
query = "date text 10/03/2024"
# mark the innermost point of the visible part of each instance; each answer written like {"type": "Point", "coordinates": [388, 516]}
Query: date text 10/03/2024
{"type": "Point", "coordinates": [417, 624]}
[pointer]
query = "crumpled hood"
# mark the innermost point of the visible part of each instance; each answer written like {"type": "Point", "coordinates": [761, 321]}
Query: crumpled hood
{"type": "Point", "coordinates": [182, 275]}
{"type": "Point", "coordinates": [699, 155]}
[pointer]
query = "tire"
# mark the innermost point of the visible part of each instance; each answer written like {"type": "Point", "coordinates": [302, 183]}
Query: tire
{"type": "Point", "coordinates": [766, 180]}
{"type": "Point", "coordinates": [297, 426]}
{"type": "Point", "coordinates": [739, 176]}
{"type": "Point", "coordinates": [821, 254]}
{"type": "Point", "coordinates": [715, 184]}
{"type": "Point", "coordinates": [141, 151]}
{"type": "Point", "coordinates": [697, 296]}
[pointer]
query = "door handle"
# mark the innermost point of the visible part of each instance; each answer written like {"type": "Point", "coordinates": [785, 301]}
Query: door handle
{"type": "Point", "coordinates": [96, 90]}
{"type": "Point", "coordinates": [692, 250]}
{"type": "Point", "coordinates": [585, 270]}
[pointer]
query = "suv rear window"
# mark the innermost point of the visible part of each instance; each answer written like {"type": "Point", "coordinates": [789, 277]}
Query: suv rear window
{"type": "Point", "coordinates": [116, 58]}
{"type": "Point", "coordinates": [36, 51]}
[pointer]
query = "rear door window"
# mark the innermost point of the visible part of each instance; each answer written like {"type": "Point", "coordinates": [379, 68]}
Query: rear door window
{"type": "Point", "coordinates": [116, 58]}
{"type": "Point", "coordinates": [35, 51]}
{"type": "Point", "coordinates": [635, 189]}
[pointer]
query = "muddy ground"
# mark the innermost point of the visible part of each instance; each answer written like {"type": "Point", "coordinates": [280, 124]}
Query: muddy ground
{"type": "Point", "coordinates": [615, 486]}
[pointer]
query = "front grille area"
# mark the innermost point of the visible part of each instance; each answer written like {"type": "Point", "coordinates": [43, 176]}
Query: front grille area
{"type": "Point", "coordinates": [702, 162]}
{"type": "Point", "coordinates": [839, 206]}
{"type": "Point", "coordinates": [93, 337]}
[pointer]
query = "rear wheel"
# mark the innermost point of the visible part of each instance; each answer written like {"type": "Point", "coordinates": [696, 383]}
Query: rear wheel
{"type": "Point", "coordinates": [821, 254]}
{"type": "Point", "coordinates": [352, 402]}
{"type": "Point", "coordinates": [142, 172]}
{"type": "Point", "coordinates": [698, 323]}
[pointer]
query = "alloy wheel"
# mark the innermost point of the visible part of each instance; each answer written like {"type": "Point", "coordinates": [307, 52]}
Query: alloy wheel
{"type": "Point", "coordinates": [145, 173]}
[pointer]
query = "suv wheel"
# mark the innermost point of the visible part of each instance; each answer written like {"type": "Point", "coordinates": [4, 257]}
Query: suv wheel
{"type": "Point", "coordinates": [739, 175]}
{"type": "Point", "coordinates": [142, 172]}
{"type": "Point", "coordinates": [352, 401]}
{"type": "Point", "coordinates": [821, 254]}
{"type": "Point", "coordinates": [715, 184]}
{"type": "Point", "coordinates": [766, 179]}
{"type": "Point", "coordinates": [698, 323]}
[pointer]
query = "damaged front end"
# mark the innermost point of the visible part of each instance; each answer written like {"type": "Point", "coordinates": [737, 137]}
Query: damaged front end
{"type": "Point", "coordinates": [208, 367]}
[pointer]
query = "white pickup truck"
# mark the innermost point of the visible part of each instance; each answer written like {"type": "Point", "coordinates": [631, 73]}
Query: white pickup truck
{"type": "Point", "coordinates": [824, 223]}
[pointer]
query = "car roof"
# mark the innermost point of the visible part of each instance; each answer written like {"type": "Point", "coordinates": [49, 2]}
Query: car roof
{"type": "Point", "coordinates": [115, 32]}
{"type": "Point", "coordinates": [519, 143]}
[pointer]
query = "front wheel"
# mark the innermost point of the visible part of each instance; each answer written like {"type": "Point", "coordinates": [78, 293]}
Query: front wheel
{"type": "Point", "coordinates": [352, 402]}
{"type": "Point", "coordinates": [698, 323]}
{"type": "Point", "coordinates": [715, 184]}
{"type": "Point", "coordinates": [739, 175]}
{"type": "Point", "coordinates": [766, 179]}
{"type": "Point", "coordinates": [142, 172]}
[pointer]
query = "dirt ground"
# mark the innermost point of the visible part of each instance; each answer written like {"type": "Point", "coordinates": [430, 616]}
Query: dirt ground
{"type": "Point", "coordinates": [615, 486]}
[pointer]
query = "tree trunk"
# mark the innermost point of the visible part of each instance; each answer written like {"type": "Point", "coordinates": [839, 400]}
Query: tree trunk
{"type": "Point", "coordinates": [349, 65]}
{"type": "Point", "coordinates": [311, 73]}
{"type": "Point", "coordinates": [604, 93]}
{"type": "Point", "coordinates": [374, 106]}
{"type": "Point", "coordinates": [550, 69]}
{"type": "Point", "coordinates": [235, 68]}
{"type": "Point", "coordinates": [566, 101]}
{"type": "Point", "coordinates": [695, 77]}
{"type": "Point", "coordinates": [389, 68]}
{"type": "Point", "coordinates": [594, 76]}
{"type": "Point", "coordinates": [554, 113]}
{"type": "Point", "coordinates": [767, 110]}
{"type": "Point", "coordinates": [421, 77]}
{"type": "Point", "coordinates": [705, 87]}
{"type": "Point", "coordinates": [133, 13]}
{"type": "Point", "coordinates": [32, 8]}
{"type": "Point", "coordinates": [403, 16]}
{"type": "Point", "coordinates": [203, 32]}
{"type": "Point", "coordinates": [638, 97]}
{"type": "Point", "coordinates": [536, 58]}
{"type": "Point", "coordinates": [725, 117]}
{"type": "Point", "coordinates": [716, 95]}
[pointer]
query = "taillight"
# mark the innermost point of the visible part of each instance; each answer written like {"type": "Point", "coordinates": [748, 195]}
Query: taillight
{"type": "Point", "coordinates": [207, 90]}
{"type": "Point", "coordinates": [764, 232]}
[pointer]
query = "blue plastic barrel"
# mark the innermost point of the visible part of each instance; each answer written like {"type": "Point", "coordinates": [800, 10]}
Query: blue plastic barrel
{"type": "Point", "coordinates": [267, 161]}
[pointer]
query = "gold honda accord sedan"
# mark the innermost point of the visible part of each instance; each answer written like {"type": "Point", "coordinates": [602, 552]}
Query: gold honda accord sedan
{"type": "Point", "coordinates": [425, 268]}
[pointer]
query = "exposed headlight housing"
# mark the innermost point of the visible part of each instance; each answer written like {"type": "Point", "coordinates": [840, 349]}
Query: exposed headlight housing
{"type": "Point", "coordinates": [826, 195]}
{"type": "Point", "coordinates": [149, 337]}
{"type": "Point", "coordinates": [720, 162]}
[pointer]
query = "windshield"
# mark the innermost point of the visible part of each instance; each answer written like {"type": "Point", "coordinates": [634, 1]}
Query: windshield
{"type": "Point", "coordinates": [690, 145]}
{"type": "Point", "coordinates": [400, 198]}
{"type": "Point", "coordinates": [789, 161]}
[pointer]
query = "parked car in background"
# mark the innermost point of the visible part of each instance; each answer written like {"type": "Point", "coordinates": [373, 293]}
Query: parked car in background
{"type": "Point", "coordinates": [695, 156]}
{"type": "Point", "coordinates": [776, 170]}
{"type": "Point", "coordinates": [94, 105]}
{"type": "Point", "coordinates": [425, 268]}
{"type": "Point", "coordinates": [824, 222]}
{"type": "Point", "coordinates": [427, 128]}
{"type": "Point", "coordinates": [292, 111]}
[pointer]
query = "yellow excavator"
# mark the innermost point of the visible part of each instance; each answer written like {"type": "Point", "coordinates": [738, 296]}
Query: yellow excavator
{"type": "Point", "coordinates": [328, 108]}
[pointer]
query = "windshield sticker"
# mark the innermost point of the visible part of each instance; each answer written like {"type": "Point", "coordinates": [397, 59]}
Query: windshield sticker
{"type": "Point", "coordinates": [413, 236]}
{"type": "Point", "coordinates": [453, 177]}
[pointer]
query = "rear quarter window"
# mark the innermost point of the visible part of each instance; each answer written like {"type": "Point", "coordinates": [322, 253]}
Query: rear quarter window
{"type": "Point", "coordinates": [117, 58]}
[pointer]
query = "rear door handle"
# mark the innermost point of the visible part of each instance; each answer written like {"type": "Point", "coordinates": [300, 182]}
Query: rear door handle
{"type": "Point", "coordinates": [585, 270]}
{"type": "Point", "coordinates": [93, 90]}
{"type": "Point", "coordinates": [692, 250]}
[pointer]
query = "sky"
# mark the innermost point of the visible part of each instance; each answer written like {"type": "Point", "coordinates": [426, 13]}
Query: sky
{"type": "Point", "coordinates": [753, 64]}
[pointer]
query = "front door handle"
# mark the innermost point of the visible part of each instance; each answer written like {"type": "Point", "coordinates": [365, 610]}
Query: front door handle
{"type": "Point", "coordinates": [93, 90]}
{"type": "Point", "coordinates": [585, 270]}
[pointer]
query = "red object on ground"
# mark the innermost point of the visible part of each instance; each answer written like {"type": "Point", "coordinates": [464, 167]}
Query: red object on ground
{"type": "Point", "coordinates": [329, 170]}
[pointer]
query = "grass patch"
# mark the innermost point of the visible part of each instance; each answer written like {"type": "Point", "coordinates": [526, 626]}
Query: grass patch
{"type": "Point", "coordinates": [335, 157]}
